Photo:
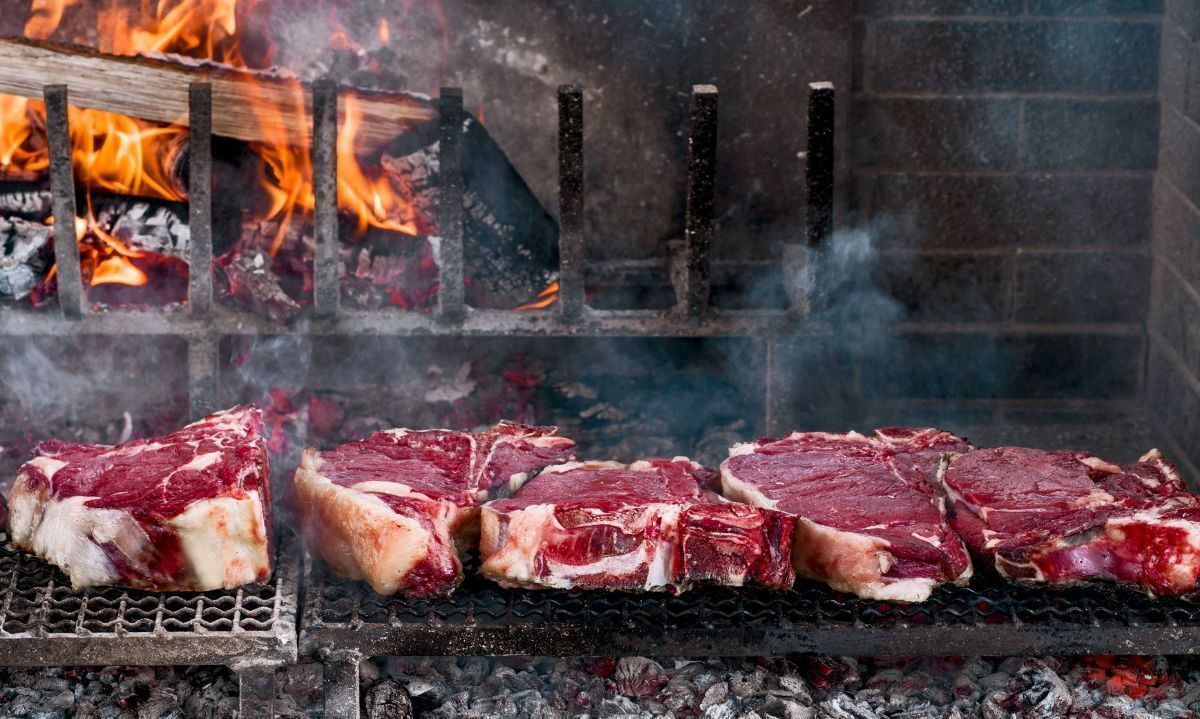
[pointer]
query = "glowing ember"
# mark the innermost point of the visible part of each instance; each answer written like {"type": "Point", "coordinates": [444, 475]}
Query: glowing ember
{"type": "Point", "coordinates": [545, 298]}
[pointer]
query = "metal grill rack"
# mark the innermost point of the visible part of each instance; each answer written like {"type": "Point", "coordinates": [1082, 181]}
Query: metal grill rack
{"type": "Point", "coordinates": [203, 323]}
{"type": "Point", "coordinates": [343, 621]}
{"type": "Point", "coordinates": [252, 630]}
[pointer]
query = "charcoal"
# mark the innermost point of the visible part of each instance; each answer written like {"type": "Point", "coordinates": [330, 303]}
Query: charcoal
{"type": "Point", "coordinates": [146, 225]}
{"type": "Point", "coordinates": [746, 684]}
{"type": "Point", "coordinates": [26, 254]}
{"type": "Point", "coordinates": [388, 700]}
{"type": "Point", "coordinates": [725, 710]}
{"type": "Point", "coordinates": [24, 200]}
{"type": "Point", "coordinates": [841, 706]}
{"type": "Point", "coordinates": [639, 677]}
{"type": "Point", "coordinates": [715, 694]}
{"type": "Point", "coordinates": [251, 281]}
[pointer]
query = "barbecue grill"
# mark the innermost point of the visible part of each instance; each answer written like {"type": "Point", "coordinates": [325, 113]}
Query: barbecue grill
{"type": "Point", "coordinates": [253, 630]}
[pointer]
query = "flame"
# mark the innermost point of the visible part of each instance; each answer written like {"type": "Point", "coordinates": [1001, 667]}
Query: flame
{"type": "Point", "coordinates": [45, 17]}
{"type": "Point", "coordinates": [124, 155]}
{"type": "Point", "coordinates": [22, 150]}
{"type": "Point", "coordinates": [132, 157]}
{"type": "Point", "coordinates": [544, 299]}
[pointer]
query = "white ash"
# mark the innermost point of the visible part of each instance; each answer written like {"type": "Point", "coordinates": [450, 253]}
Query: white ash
{"type": "Point", "coordinates": [806, 688]}
{"type": "Point", "coordinates": [628, 688]}
{"type": "Point", "coordinates": [25, 256]}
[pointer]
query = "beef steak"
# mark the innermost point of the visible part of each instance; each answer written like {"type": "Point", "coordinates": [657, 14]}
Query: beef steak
{"type": "Point", "coordinates": [870, 517]}
{"type": "Point", "coordinates": [647, 526]}
{"type": "Point", "coordinates": [189, 511]}
{"type": "Point", "coordinates": [1063, 518]}
{"type": "Point", "coordinates": [398, 508]}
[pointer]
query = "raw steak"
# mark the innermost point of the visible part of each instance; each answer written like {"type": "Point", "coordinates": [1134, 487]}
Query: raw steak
{"type": "Point", "coordinates": [397, 508]}
{"type": "Point", "coordinates": [870, 517]}
{"type": "Point", "coordinates": [1064, 518]}
{"type": "Point", "coordinates": [190, 511]}
{"type": "Point", "coordinates": [648, 526]}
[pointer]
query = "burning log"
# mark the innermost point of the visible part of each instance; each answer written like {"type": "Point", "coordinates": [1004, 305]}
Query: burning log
{"type": "Point", "coordinates": [144, 225]}
{"type": "Point", "coordinates": [26, 200]}
{"type": "Point", "coordinates": [25, 256]}
{"type": "Point", "coordinates": [247, 105]}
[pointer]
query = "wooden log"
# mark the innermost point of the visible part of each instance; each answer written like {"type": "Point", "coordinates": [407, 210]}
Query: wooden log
{"type": "Point", "coordinates": [156, 89]}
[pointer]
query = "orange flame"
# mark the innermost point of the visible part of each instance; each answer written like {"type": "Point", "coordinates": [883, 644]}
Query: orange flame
{"type": "Point", "coordinates": [385, 34]}
{"type": "Point", "coordinates": [544, 299]}
{"type": "Point", "coordinates": [22, 151]}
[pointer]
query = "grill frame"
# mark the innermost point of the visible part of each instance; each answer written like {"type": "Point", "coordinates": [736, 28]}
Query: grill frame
{"type": "Point", "coordinates": [482, 619]}
{"type": "Point", "coordinates": [242, 628]}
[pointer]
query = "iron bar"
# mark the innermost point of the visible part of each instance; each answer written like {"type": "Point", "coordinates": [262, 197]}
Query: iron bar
{"type": "Point", "coordinates": [200, 248]}
{"type": "Point", "coordinates": [571, 246]}
{"type": "Point", "coordinates": [256, 692]}
{"type": "Point", "coordinates": [62, 191]}
{"type": "Point", "coordinates": [326, 270]}
{"type": "Point", "coordinates": [818, 172]}
{"type": "Point", "coordinates": [204, 370]}
{"type": "Point", "coordinates": [701, 170]}
{"type": "Point", "coordinates": [341, 683]}
{"type": "Point", "coordinates": [451, 294]}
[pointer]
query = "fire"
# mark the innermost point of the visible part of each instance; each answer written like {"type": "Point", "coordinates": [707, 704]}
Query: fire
{"type": "Point", "coordinates": [544, 299]}
{"type": "Point", "coordinates": [22, 147]}
{"type": "Point", "coordinates": [126, 156]}
{"type": "Point", "coordinates": [132, 157]}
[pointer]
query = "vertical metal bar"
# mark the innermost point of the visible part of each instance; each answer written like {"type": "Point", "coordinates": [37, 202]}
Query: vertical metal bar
{"type": "Point", "coordinates": [341, 684]}
{"type": "Point", "coordinates": [200, 290]}
{"type": "Point", "coordinates": [451, 296]}
{"type": "Point", "coordinates": [256, 693]}
{"type": "Point", "coordinates": [818, 173]}
{"type": "Point", "coordinates": [326, 270]}
{"type": "Point", "coordinates": [702, 166]}
{"type": "Point", "coordinates": [570, 201]}
{"type": "Point", "coordinates": [203, 375]}
{"type": "Point", "coordinates": [62, 192]}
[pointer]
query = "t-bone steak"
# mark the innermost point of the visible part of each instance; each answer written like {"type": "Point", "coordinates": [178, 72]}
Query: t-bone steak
{"type": "Point", "coordinates": [870, 517]}
{"type": "Point", "coordinates": [189, 511]}
{"type": "Point", "coordinates": [1063, 518]}
{"type": "Point", "coordinates": [398, 508]}
{"type": "Point", "coordinates": [647, 526]}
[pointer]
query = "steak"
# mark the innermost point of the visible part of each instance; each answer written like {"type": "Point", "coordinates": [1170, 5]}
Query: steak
{"type": "Point", "coordinates": [1064, 518]}
{"type": "Point", "coordinates": [398, 508]}
{"type": "Point", "coordinates": [189, 511]}
{"type": "Point", "coordinates": [870, 518]}
{"type": "Point", "coordinates": [647, 526]}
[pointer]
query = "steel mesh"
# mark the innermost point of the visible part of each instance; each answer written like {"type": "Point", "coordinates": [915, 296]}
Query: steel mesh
{"type": "Point", "coordinates": [36, 600]}
{"type": "Point", "coordinates": [332, 602]}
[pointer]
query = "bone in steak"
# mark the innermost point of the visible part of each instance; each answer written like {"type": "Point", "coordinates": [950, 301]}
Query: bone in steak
{"type": "Point", "coordinates": [648, 526]}
{"type": "Point", "coordinates": [870, 517]}
{"type": "Point", "coordinates": [189, 511]}
{"type": "Point", "coordinates": [1064, 518]}
{"type": "Point", "coordinates": [398, 508]}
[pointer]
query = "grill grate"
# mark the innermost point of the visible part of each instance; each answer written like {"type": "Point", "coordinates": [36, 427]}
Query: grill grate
{"type": "Point", "coordinates": [988, 617]}
{"type": "Point", "coordinates": [44, 622]}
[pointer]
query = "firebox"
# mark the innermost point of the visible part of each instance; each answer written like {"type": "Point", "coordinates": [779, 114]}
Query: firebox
{"type": "Point", "coordinates": [1003, 252]}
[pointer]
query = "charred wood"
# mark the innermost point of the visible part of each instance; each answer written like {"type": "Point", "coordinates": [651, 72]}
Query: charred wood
{"type": "Point", "coordinates": [26, 254]}
{"type": "Point", "coordinates": [26, 200]}
{"type": "Point", "coordinates": [250, 280]}
{"type": "Point", "coordinates": [145, 225]}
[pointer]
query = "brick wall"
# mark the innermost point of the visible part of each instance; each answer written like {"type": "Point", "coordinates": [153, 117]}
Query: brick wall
{"type": "Point", "coordinates": [1004, 153]}
{"type": "Point", "coordinates": [1173, 392]}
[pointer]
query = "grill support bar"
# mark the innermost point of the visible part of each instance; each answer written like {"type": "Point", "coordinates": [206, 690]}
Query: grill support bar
{"type": "Point", "coordinates": [200, 248]}
{"type": "Point", "coordinates": [326, 272]}
{"type": "Point", "coordinates": [701, 172]}
{"type": "Point", "coordinates": [62, 194]}
{"type": "Point", "coordinates": [256, 692]}
{"type": "Point", "coordinates": [571, 247]}
{"type": "Point", "coordinates": [341, 683]}
{"type": "Point", "coordinates": [451, 293]}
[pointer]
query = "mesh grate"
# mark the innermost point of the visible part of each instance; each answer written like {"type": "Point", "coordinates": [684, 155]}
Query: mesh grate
{"type": "Point", "coordinates": [36, 600]}
{"type": "Point", "coordinates": [1090, 618]}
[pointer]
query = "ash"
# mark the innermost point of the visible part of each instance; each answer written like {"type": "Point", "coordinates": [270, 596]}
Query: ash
{"type": "Point", "coordinates": [639, 687]}
{"type": "Point", "coordinates": [834, 688]}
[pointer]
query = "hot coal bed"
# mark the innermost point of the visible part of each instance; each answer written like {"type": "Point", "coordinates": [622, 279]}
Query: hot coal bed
{"type": "Point", "coordinates": [921, 281]}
